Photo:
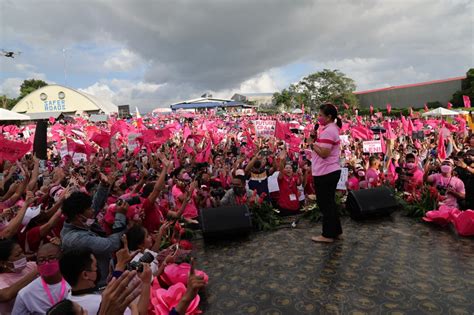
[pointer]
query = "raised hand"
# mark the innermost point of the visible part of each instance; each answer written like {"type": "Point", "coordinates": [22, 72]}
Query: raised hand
{"type": "Point", "coordinates": [119, 293]}
{"type": "Point", "coordinates": [124, 256]}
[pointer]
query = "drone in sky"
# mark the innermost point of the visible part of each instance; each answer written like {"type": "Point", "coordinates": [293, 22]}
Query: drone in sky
{"type": "Point", "coordinates": [10, 54]}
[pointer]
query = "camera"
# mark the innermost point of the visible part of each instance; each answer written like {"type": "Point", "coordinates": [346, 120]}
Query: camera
{"type": "Point", "coordinates": [442, 190]}
{"type": "Point", "coordinates": [137, 265]}
{"type": "Point", "coordinates": [135, 200]}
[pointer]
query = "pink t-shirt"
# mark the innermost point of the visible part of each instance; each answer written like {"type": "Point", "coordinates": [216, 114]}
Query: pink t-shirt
{"type": "Point", "coordinates": [448, 182]}
{"type": "Point", "coordinates": [190, 211]}
{"type": "Point", "coordinates": [372, 177]}
{"type": "Point", "coordinates": [9, 278]}
{"type": "Point", "coordinates": [328, 138]}
{"type": "Point", "coordinates": [353, 183]}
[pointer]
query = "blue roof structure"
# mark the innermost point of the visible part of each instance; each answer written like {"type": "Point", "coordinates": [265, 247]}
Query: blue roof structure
{"type": "Point", "coordinates": [208, 105]}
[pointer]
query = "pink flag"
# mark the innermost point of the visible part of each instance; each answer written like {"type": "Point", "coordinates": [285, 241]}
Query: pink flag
{"type": "Point", "coordinates": [346, 106]}
{"type": "Point", "coordinates": [101, 138]}
{"type": "Point", "coordinates": [371, 109]}
{"type": "Point", "coordinates": [426, 107]}
{"type": "Point", "coordinates": [441, 147]}
{"type": "Point", "coordinates": [281, 130]}
{"type": "Point", "coordinates": [450, 105]}
{"type": "Point", "coordinates": [13, 150]}
{"type": "Point", "coordinates": [467, 101]}
{"type": "Point", "coordinates": [77, 146]}
{"type": "Point", "coordinates": [389, 133]}
{"type": "Point", "coordinates": [389, 108]}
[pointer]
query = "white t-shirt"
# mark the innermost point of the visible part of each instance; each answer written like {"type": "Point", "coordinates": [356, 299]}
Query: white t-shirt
{"type": "Point", "coordinates": [33, 299]}
{"type": "Point", "coordinates": [91, 302]}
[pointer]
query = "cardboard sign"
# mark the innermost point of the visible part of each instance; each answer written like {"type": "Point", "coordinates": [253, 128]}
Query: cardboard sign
{"type": "Point", "coordinates": [264, 128]}
{"type": "Point", "coordinates": [132, 143]}
{"type": "Point", "coordinates": [371, 147]}
{"type": "Point", "coordinates": [79, 158]}
{"type": "Point", "coordinates": [341, 185]}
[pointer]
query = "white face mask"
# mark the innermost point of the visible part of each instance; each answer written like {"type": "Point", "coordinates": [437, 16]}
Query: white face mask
{"type": "Point", "coordinates": [19, 265]}
{"type": "Point", "coordinates": [88, 222]}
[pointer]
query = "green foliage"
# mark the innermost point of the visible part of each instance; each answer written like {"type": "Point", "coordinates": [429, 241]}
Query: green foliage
{"type": "Point", "coordinates": [6, 102]}
{"type": "Point", "coordinates": [317, 88]}
{"type": "Point", "coordinates": [467, 88]}
{"type": "Point", "coordinates": [416, 205]}
{"type": "Point", "coordinates": [26, 88]}
{"type": "Point", "coordinates": [29, 86]}
{"type": "Point", "coordinates": [264, 218]}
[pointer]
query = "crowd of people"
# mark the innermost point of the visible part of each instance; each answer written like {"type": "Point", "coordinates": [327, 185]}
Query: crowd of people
{"type": "Point", "coordinates": [104, 224]}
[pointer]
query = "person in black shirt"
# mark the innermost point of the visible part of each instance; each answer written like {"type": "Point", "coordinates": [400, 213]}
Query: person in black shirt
{"type": "Point", "coordinates": [465, 171]}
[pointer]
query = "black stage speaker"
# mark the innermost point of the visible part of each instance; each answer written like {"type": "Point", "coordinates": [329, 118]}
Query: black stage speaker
{"type": "Point", "coordinates": [368, 203]}
{"type": "Point", "coordinates": [225, 221]}
{"type": "Point", "coordinates": [39, 145]}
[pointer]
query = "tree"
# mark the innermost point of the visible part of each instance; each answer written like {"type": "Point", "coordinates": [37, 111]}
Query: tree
{"type": "Point", "coordinates": [29, 86]}
{"type": "Point", "coordinates": [467, 88]}
{"type": "Point", "coordinates": [7, 103]}
{"type": "Point", "coordinates": [329, 86]}
{"type": "Point", "coordinates": [317, 88]}
{"type": "Point", "coordinates": [26, 88]}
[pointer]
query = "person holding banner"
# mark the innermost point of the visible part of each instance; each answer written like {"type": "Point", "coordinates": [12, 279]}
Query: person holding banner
{"type": "Point", "coordinates": [327, 171]}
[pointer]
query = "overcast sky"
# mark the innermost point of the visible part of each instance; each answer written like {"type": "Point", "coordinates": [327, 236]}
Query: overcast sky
{"type": "Point", "coordinates": [151, 53]}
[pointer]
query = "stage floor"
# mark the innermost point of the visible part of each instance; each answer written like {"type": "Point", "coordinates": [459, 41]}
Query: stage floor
{"type": "Point", "coordinates": [390, 266]}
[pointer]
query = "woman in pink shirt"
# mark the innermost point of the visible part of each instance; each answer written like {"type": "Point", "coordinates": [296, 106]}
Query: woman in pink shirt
{"type": "Point", "coordinates": [327, 171]}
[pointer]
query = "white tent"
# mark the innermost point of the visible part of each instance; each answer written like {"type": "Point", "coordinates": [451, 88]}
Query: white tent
{"type": "Point", "coordinates": [440, 111]}
{"type": "Point", "coordinates": [9, 115]}
{"type": "Point", "coordinates": [297, 111]}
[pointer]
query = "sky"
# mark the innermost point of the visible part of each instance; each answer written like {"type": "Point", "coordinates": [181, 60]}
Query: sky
{"type": "Point", "coordinates": [151, 53]}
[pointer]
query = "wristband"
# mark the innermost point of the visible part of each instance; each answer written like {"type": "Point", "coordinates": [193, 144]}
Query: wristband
{"type": "Point", "coordinates": [117, 274]}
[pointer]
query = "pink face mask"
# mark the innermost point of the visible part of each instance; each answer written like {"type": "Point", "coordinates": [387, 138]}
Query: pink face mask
{"type": "Point", "coordinates": [446, 169]}
{"type": "Point", "coordinates": [49, 268]}
{"type": "Point", "coordinates": [322, 121]}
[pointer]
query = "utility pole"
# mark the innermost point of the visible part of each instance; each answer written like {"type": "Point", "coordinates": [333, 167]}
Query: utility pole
{"type": "Point", "coordinates": [64, 57]}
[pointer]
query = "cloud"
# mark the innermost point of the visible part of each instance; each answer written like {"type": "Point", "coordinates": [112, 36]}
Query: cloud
{"type": "Point", "coordinates": [189, 47]}
{"type": "Point", "coordinates": [11, 87]}
{"type": "Point", "coordinates": [124, 60]}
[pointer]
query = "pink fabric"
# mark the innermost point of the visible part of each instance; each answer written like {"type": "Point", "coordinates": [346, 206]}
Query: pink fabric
{"type": "Point", "coordinates": [353, 183]}
{"type": "Point", "coordinates": [174, 274]}
{"type": "Point", "coordinates": [163, 301]}
{"type": "Point", "coordinates": [328, 138]}
{"type": "Point", "coordinates": [467, 101]}
{"type": "Point", "coordinates": [463, 221]}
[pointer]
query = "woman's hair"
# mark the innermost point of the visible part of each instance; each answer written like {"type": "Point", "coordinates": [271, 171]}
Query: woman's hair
{"type": "Point", "coordinates": [65, 307]}
{"type": "Point", "coordinates": [135, 236]}
{"type": "Point", "coordinates": [6, 248]}
{"type": "Point", "coordinates": [330, 110]}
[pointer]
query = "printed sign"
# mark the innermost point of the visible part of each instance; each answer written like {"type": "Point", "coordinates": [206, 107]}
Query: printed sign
{"type": "Point", "coordinates": [341, 185]}
{"type": "Point", "coordinates": [371, 147]}
{"type": "Point", "coordinates": [344, 139]}
{"type": "Point", "coordinates": [264, 128]}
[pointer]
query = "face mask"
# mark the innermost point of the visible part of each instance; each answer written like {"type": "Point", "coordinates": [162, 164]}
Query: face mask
{"type": "Point", "coordinates": [446, 169]}
{"type": "Point", "coordinates": [19, 265]}
{"type": "Point", "coordinates": [411, 166]}
{"type": "Point", "coordinates": [322, 121]}
{"type": "Point", "coordinates": [88, 222]}
{"type": "Point", "coordinates": [49, 268]}
{"type": "Point", "coordinates": [361, 173]}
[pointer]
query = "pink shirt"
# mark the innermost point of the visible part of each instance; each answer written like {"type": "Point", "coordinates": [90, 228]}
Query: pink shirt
{"type": "Point", "coordinates": [372, 177]}
{"type": "Point", "coordinates": [9, 278]}
{"type": "Point", "coordinates": [190, 211]}
{"type": "Point", "coordinates": [448, 182]}
{"type": "Point", "coordinates": [328, 138]}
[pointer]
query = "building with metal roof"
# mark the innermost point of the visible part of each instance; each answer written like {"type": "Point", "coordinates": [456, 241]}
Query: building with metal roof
{"type": "Point", "coordinates": [411, 95]}
{"type": "Point", "coordinates": [62, 99]}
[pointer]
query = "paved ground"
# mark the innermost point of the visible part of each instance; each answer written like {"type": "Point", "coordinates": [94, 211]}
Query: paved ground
{"type": "Point", "coordinates": [389, 266]}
